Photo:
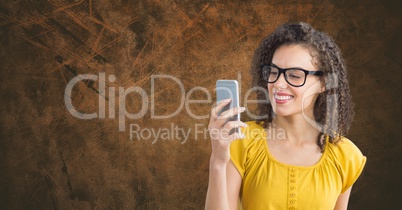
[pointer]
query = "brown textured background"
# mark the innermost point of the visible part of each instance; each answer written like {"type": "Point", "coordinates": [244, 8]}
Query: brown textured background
{"type": "Point", "coordinates": [52, 160]}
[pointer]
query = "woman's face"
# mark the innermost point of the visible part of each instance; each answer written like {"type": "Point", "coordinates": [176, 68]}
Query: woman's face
{"type": "Point", "coordinates": [287, 100]}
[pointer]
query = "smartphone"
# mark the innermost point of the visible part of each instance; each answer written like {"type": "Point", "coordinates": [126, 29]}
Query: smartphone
{"type": "Point", "coordinates": [228, 89]}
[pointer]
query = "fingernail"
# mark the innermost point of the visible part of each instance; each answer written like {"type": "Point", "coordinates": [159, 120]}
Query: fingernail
{"type": "Point", "coordinates": [227, 100]}
{"type": "Point", "coordinates": [242, 109]}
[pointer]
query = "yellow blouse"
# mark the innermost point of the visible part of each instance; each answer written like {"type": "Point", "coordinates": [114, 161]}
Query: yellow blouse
{"type": "Point", "coordinates": [270, 184]}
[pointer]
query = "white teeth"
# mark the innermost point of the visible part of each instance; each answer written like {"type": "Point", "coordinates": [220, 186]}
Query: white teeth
{"type": "Point", "coordinates": [283, 97]}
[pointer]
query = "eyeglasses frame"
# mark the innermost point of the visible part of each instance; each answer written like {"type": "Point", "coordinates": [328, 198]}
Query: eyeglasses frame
{"type": "Point", "coordinates": [281, 70]}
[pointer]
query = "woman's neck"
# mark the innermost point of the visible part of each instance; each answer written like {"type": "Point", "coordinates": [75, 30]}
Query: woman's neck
{"type": "Point", "coordinates": [297, 130]}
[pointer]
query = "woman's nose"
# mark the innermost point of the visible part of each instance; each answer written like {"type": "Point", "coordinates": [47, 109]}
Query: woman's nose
{"type": "Point", "coordinates": [281, 82]}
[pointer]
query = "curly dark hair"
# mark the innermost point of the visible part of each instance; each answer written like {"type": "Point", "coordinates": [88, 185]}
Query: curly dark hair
{"type": "Point", "coordinates": [333, 108]}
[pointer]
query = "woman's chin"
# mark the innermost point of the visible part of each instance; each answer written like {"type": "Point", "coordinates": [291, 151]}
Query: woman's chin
{"type": "Point", "coordinates": [281, 113]}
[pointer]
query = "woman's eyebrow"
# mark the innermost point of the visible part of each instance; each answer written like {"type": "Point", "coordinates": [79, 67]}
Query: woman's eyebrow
{"type": "Point", "coordinates": [288, 68]}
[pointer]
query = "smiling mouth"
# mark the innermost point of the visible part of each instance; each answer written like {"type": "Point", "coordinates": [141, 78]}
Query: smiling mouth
{"type": "Point", "coordinates": [283, 98]}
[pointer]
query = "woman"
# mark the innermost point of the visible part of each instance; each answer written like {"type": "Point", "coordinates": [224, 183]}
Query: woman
{"type": "Point", "coordinates": [296, 156]}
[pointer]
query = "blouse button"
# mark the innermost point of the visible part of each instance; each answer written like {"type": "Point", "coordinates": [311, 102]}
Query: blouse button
{"type": "Point", "coordinates": [292, 175]}
{"type": "Point", "coordinates": [293, 169]}
{"type": "Point", "coordinates": [292, 202]}
{"type": "Point", "coordinates": [292, 208]}
{"type": "Point", "coordinates": [292, 187]}
{"type": "Point", "coordinates": [292, 180]}
{"type": "Point", "coordinates": [292, 195]}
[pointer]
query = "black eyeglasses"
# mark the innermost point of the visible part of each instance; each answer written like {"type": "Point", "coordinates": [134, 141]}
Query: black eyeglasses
{"type": "Point", "coordinates": [295, 77]}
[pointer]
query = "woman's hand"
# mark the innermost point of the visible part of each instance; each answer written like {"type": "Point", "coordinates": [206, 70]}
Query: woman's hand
{"type": "Point", "coordinates": [219, 175]}
{"type": "Point", "coordinates": [219, 131]}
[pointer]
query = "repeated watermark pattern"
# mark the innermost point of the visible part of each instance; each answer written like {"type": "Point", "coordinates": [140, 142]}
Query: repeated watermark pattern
{"type": "Point", "coordinates": [174, 131]}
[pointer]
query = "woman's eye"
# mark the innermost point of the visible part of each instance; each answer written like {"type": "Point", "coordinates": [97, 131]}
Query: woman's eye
{"type": "Point", "coordinates": [295, 76]}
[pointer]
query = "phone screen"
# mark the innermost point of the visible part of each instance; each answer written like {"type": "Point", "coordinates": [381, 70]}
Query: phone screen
{"type": "Point", "coordinates": [228, 89]}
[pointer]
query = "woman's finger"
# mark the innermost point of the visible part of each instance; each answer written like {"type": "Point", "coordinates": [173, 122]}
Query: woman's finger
{"type": "Point", "coordinates": [234, 124]}
{"type": "Point", "coordinates": [218, 108]}
{"type": "Point", "coordinates": [236, 135]}
{"type": "Point", "coordinates": [224, 140]}
{"type": "Point", "coordinates": [231, 112]}
{"type": "Point", "coordinates": [224, 116]}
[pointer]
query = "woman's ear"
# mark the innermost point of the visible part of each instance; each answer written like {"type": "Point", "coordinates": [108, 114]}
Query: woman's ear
{"type": "Point", "coordinates": [322, 88]}
{"type": "Point", "coordinates": [322, 85]}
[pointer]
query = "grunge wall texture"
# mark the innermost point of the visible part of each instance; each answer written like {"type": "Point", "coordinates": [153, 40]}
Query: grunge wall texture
{"type": "Point", "coordinates": [52, 160]}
